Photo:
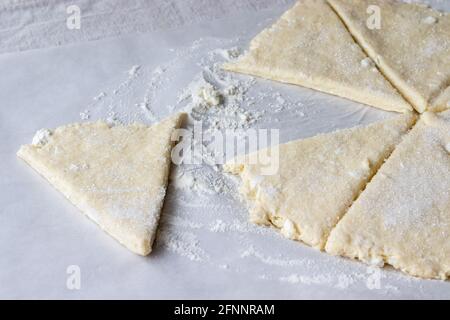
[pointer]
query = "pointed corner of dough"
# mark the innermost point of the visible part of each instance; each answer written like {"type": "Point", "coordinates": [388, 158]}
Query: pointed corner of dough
{"type": "Point", "coordinates": [20, 153]}
{"type": "Point", "coordinates": [436, 119]}
{"type": "Point", "coordinates": [145, 252]}
{"type": "Point", "coordinates": [402, 122]}
{"type": "Point", "coordinates": [239, 65]}
{"type": "Point", "coordinates": [141, 246]}
{"type": "Point", "coordinates": [331, 247]}
{"type": "Point", "coordinates": [412, 117]}
{"type": "Point", "coordinates": [25, 153]}
{"type": "Point", "coordinates": [429, 117]}
{"type": "Point", "coordinates": [419, 104]}
{"type": "Point", "coordinates": [179, 118]}
{"type": "Point", "coordinates": [174, 121]}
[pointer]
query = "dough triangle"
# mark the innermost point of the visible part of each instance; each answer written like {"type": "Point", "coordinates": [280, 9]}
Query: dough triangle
{"type": "Point", "coordinates": [411, 48]}
{"type": "Point", "coordinates": [310, 46]}
{"type": "Point", "coordinates": [403, 216]}
{"type": "Point", "coordinates": [317, 178]}
{"type": "Point", "coordinates": [117, 175]}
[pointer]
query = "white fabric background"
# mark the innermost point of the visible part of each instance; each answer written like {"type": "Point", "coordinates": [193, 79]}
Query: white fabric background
{"type": "Point", "coordinates": [33, 24]}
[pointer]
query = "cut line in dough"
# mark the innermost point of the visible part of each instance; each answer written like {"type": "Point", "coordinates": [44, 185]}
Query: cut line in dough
{"type": "Point", "coordinates": [311, 47]}
{"type": "Point", "coordinates": [117, 176]}
{"type": "Point", "coordinates": [317, 178]}
{"type": "Point", "coordinates": [403, 216]}
{"type": "Point", "coordinates": [411, 47]}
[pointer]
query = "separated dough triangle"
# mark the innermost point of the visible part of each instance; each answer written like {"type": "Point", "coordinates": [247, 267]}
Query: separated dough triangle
{"type": "Point", "coordinates": [310, 46]}
{"type": "Point", "coordinates": [117, 175]}
{"type": "Point", "coordinates": [317, 178]}
{"type": "Point", "coordinates": [411, 48]}
{"type": "Point", "coordinates": [403, 217]}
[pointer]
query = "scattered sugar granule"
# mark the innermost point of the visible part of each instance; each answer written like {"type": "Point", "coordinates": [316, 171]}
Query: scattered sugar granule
{"type": "Point", "coordinates": [85, 115]}
{"type": "Point", "coordinates": [41, 137]}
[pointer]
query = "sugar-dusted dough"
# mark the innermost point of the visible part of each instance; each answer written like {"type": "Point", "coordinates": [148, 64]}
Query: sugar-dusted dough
{"type": "Point", "coordinates": [317, 178]}
{"type": "Point", "coordinates": [403, 217]}
{"type": "Point", "coordinates": [411, 48]}
{"type": "Point", "coordinates": [117, 175]}
{"type": "Point", "coordinates": [310, 46]}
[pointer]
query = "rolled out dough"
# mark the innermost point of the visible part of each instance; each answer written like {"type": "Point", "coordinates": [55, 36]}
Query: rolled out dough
{"type": "Point", "coordinates": [317, 178]}
{"type": "Point", "coordinates": [403, 217]}
{"type": "Point", "coordinates": [117, 176]}
{"type": "Point", "coordinates": [311, 47]}
{"type": "Point", "coordinates": [411, 47]}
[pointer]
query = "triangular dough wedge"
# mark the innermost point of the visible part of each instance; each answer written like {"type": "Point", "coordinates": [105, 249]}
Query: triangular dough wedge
{"type": "Point", "coordinates": [310, 46]}
{"type": "Point", "coordinates": [317, 178]}
{"type": "Point", "coordinates": [411, 48]}
{"type": "Point", "coordinates": [117, 175]}
{"type": "Point", "coordinates": [403, 217]}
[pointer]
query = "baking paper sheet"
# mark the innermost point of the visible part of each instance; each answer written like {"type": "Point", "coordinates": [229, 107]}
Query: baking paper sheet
{"type": "Point", "coordinates": [206, 248]}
